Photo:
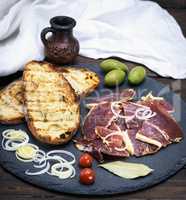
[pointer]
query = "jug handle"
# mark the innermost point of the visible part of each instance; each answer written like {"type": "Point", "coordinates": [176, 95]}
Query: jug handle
{"type": "Point", "coordinates": [43, 34]}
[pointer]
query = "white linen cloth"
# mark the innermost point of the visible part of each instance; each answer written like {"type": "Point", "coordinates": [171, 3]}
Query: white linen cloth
{"type": "Point", "coordinates": [139, 31]}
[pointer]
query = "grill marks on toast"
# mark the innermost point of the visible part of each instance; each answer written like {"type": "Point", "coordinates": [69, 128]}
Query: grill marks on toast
{"type": "Point", "coordinates": [11, 103]}
{"type": "Point", "coordinates": [52, 111]}
{"type": "Point", "coordinates": [82, 80]}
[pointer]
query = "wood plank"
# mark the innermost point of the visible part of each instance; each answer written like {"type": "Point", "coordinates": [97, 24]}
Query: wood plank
{"type": "Point", "coordinates": [11, 186]}
{"type": "Point", "coordinates": [171, 3]}
{"type": "Point", "coordinates": [180, 17]}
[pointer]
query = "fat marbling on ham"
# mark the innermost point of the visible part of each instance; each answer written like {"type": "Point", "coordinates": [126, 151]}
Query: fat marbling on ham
{"type": "Point", "coordinates": [124, 127]}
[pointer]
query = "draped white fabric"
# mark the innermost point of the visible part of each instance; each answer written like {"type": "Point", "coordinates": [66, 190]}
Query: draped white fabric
{"type": "Point", "coordinates": [139, 31]}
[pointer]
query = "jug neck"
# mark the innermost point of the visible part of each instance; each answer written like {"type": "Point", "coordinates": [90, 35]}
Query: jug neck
{"type": "Point", "coordinates": [63, 23]}
{"type": "Point", "coordinates": [64, 33]}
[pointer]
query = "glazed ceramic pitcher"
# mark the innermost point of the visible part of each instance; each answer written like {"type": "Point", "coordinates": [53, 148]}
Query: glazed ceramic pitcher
{"type": "Point", "coordinates": [61, 47]}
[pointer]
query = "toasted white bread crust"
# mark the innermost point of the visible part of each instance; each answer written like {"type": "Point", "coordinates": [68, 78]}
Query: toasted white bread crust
{"type": "Point", "coordinates": [11, 103]}
{"type": "Point", "coordinates": [82, 80]}
{"type": "Point", "coordinates": [51, 107]}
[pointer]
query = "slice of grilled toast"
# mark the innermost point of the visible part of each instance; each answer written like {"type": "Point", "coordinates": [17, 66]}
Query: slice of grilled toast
{"type": "Point", "coordinates": [52, 111]}
{"type": "Point", "coordinates": [11, 103]}
{"type": "Point", "coordinates": [82, 80]}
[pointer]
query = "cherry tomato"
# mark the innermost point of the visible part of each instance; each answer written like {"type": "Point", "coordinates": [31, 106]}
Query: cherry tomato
{"type": "Point", "coordinates": [85, 160]}
{"type": "Point", "coordinates": [87, 176]}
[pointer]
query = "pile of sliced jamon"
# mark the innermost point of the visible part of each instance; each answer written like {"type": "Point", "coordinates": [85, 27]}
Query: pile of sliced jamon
{"type": "Point", "coordinates": [116, 125]}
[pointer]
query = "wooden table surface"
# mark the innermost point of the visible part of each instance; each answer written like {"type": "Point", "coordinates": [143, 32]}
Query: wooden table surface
{"type": "Point", "coordinates": [174, 188]}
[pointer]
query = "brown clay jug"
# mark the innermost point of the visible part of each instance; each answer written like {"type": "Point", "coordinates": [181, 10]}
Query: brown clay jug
{"type": "Point", "coordinates": [61, 47]}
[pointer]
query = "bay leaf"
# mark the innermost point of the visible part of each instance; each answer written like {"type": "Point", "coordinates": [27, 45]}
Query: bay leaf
{"type": "Point", "coordinates": [127, 170]}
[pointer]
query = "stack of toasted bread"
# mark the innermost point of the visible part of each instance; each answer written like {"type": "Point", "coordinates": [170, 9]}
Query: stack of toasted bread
{"type": "Point", "coordinates": [46, 97]}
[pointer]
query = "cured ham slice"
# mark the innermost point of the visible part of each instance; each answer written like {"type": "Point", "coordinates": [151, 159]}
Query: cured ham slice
{"type": "Point", "coordinates": [126, 128]}
{"type": "Point", "coordinates": [100, 115]}
{"type": "Point", "coordinates": [117, 124]}
{"type": "Point", "coordinates": [161, 129]}
{"type": "Point", "coordinates": [124, 95]}
{"type": "Point", "coordinates": [140, 148]}
{"type": "Point", "coordinates": [112, 145]}
{"type": "Point", "coordinates": [166, 124]}
{"type": "Point", "coordinates": [113, 140]}
{"type": "Point", "coordinates": [95, 147]}
{"type": "Point", "coordinates": [129, 111]}
{"type": "Point", "coordinates": [125, 142]}
{"type": "Point", "coordinates": [149, 99]}
{"type": "Point", "coordinates": [151, 134]}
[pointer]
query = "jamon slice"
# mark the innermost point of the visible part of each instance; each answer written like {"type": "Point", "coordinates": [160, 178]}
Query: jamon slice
{"type": "Point", "coordinates": [95, 147]}
{"type": "Point", "coordinates": [129, 112]}
{"type": "Point", "coordinates": [120, 124]}
{"type": "Point", "coordinates": [140, 148]}
{"type": "Point", "coordinates": [166, 124]}
{"type": "Point", "coordinates": [98, 146]}
{"type": "Point", "coordinates": [124, 95]}
{"type": "Point", "coordinates": [112, 145]}
{"type": "Point", "coordinates": [128, 128]}
{"type": "Point", "coordinates": [149, 99]}
{"type": "Point", "coordinates": [151, 134]}
{"type": "Point", "coordinates": [100, 115]}
{"type": "Point", "coordinates": [123, 143]}
{"type": "Point", "coordinates": [117, 124]}
{"type": "Point", "coordinates": [114, 126]}
{"type": "Point", "coordinates": [116, 143]}
{"type": "Point", "coordinates": [161, 129]}
{"type": "Point", "coordinates": [119, 140]}
{"type": "Point", "coordinates": [113, 140]}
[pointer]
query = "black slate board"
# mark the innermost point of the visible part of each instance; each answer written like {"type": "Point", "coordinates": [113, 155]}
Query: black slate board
{"type": "Point", "coordinates": [165, 163]}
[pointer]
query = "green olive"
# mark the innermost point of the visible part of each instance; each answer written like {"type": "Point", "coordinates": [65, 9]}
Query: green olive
{"type": "Point", "coordinates": [114, 77]}
{"type": "Point", "coordinates": [110, 64]}
{"type": "Point", "coordinates": [136, 75]}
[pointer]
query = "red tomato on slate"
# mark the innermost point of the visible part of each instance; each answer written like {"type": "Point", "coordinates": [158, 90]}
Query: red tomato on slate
{"type": "Point", "coordinates": [85, 160]}
{"type": "Point", "coordinates": [87, 176]}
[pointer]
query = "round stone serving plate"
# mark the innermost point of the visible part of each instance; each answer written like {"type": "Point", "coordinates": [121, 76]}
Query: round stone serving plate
{"type": "Point", "coordinates": [165, 163]}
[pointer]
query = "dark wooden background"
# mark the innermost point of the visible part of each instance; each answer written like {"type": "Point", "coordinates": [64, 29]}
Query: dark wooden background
{"type": "Point", "coordinates": [174, 188]}
{"type": "Point", "coordinates": [172, 3]}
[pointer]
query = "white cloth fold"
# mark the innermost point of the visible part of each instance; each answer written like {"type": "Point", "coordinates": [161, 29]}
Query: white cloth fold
{"type": "Point", "coordinates": [139, 31]}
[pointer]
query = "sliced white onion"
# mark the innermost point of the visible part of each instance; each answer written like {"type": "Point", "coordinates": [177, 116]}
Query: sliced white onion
{"type": "Point", "coordinates": [17, 135]}
{"type": "Point", "coordinates": [63, 168]}
{"type": "Point", "coordinates": [19, 154]}
{"type": "Point", "coordinates": [12, 139]}
{"type": "Point", "coordinates": [24, 160]}
{"type": "Point", "coordinates": [40, 155]}
{"type": "Point", "coordinates": [58, 170]}
{"type": "Point", "coordinates": [10, 145]}
{"type": "Point", "coordinates": [73, 173]}
{"type": "Point", "coordinates": [61, 164]}
{"type": "Point", "coordinates": [41, 164]}
{"type": "Point", "coordinates": [40, 159]}
{"type": "Point", "coordinates": [144, 113]}
{"type": "Point", "coordinates": [43, 171]}
{"type": "Point", "coordinates": [63, 152]}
